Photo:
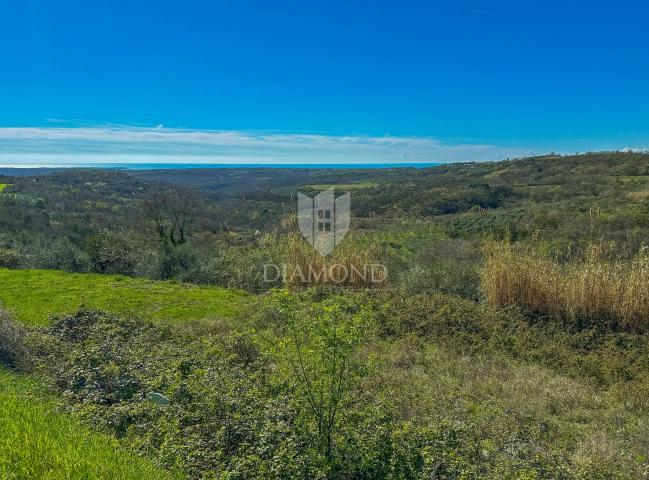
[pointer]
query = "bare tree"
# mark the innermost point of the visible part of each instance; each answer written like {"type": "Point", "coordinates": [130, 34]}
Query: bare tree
{"type": "Point", "coordinates": [172, 213]}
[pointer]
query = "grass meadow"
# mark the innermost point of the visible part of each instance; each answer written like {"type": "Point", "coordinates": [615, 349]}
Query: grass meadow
{"type": "Point", "coordinates": [39, 442]}
{"type": "Point", "coordinates": [34, 295]}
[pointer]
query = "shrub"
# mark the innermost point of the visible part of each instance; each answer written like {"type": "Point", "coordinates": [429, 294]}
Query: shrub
{"type": "Point", "coordinates": [13, 348]}
{"type": "Point", "coordinates": [10, 258]}
{"type": "Point", "coordinates": [233, 410]}
{"type": "Point", "coordinates": [64, 255]}
{"type": "Point", "coordinates": [223, 415]}
{"type": "Point", "coordinates": [113, 252]}
{"type": "Point", "coordinates": [233, 267]}
{"type": "Point", "coordinates": [319, 354]}
{"type": "Point", "coordinates": [447, 277]}
{"type": "Point", "coordinates": [244, 268]}
{"type": "Point", "coordinates": [174, 261]}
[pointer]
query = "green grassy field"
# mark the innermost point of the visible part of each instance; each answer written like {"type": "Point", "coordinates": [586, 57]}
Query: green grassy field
{"type": "Point", "coordinates": [33, 295]}
{"type": "Point", "coordinates": [4, 185]}
{"type": "Point", "coordinates": [36, 441]}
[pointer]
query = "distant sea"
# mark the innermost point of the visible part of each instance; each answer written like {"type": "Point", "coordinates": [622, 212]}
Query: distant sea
{"type": "Point", "coordinates": [176, 166]}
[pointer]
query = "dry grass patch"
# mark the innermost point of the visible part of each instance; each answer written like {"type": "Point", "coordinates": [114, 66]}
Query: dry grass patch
{"type": "Point", "coordinates": [350, 265]}
{"type": "Point", "coordinates": [639, 195]}
{"type": "Point", "coordinates": [593, 288]}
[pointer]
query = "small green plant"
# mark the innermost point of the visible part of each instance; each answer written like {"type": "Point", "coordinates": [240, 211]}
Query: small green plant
{"type": "Point", "coordinates": [319, 349]}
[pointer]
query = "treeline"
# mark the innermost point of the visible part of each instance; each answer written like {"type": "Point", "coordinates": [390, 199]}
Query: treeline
{"type": "Point", "coordinates": [214, 226]}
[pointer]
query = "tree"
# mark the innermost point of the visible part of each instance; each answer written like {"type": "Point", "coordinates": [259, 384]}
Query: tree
{"type": "Point", "coordinates": [319, 350]}
{"type": "Point", "coordinates": [172, 213]}
{"type": "Point", "coordinates": [113, 252]}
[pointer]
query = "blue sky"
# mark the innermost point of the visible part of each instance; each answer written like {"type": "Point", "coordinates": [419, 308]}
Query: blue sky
{"type": "Point", "coordinates": [331, 81]}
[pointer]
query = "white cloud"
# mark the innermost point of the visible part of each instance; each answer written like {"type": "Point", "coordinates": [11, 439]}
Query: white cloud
{"type": "Point", "coordinates": [164, 145]}
{"type": "Point", "coordinates": [481, 12]}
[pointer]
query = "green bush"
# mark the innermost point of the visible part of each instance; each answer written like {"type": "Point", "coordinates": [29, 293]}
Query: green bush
{"type": "Point", "coordinates": [114, 252]}
{"type": "Point", "coordinates": [233, 267]}
{"type": "Point", "coordinates": [174, 261]}
{"type": "Point", "coordinates": [239, 405]}
{"type": "Point", "coordinates": [10, 258]}
{"type": "Point", "coordinates": [14, 352]}
{"type": "Point", "coordinates": [224, 415]}
{"type": "Point", "coordinates": [446, 277]}
{"type": "Point", "coordinates": [64, 255]}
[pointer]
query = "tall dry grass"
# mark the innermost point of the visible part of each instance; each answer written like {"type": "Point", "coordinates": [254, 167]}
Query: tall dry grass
{"type": "Point", "coordinates": [349, 265]}
{"type": "Point", "coordinates": [595, 287]}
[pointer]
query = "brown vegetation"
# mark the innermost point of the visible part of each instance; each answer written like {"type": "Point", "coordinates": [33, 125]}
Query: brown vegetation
{"type": "Point", "coordinates": [595, 287]}
{"type": "Point", "coordinates": [351, 265]}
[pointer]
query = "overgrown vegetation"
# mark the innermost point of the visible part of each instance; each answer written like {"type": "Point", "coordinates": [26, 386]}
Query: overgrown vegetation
{"type": "Point", "coordinates": [595, 289]}
{"type": "Point", "coordinates": [218, 227]}
{"type": "Point", "coordinates": [509, 340]}
{"type": "Point", "coordinates": [313, 385]}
